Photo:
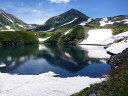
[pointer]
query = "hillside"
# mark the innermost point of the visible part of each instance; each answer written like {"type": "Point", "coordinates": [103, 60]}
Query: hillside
{"type": "Point", "coordinates": [17, 38]}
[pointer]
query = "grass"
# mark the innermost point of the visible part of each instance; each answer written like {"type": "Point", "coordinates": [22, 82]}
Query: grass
{"type": "Point", "coordinates": [94, 23]}
{"type": "Point", "coordinates": [117, 84]}
{"type": "Point", "coordinates": [17, 38]}
{"type": "Point", "coordinates": [119, 28]}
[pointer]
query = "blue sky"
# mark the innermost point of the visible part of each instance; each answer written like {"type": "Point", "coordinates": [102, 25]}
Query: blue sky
{"type": "Point", "coordinates": [38, 11]}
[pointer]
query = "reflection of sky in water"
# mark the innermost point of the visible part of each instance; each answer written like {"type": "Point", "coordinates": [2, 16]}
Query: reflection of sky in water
{"type": "Point", "coordinates": [67, 61]}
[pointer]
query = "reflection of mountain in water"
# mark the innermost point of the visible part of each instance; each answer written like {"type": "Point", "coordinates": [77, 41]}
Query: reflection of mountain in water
{"type": "Point", "coordinates": [70, 58]}
{"type": "Point", "coordinates": [14, 56]}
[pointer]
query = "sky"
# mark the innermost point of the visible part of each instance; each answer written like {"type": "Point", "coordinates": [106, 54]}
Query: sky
{"type": "Point", "coordinates": [38, 11]}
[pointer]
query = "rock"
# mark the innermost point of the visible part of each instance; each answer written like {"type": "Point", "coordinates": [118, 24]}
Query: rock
{"type": "Point", "coordinates": [92, 95]}
{"type": "Point", "coordinates": [105, 76]}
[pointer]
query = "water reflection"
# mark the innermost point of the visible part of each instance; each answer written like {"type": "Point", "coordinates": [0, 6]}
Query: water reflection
{"type": "Point", "coordinates": [64, 60]}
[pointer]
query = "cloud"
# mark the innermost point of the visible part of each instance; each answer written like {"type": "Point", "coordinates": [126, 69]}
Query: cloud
{"type": "Point", "coordinates": [59, 1]}
{"type": "Point", "coordinates": [35, 11]}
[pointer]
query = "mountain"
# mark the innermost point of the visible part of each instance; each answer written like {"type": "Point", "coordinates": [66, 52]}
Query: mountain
{"type": "Point", "coordinates": [9, 22]}
{"type": "Point", "coordinates": [71, 17]}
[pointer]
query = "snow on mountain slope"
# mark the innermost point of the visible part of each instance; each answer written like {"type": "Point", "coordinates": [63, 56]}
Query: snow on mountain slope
{"type": "Point", "coordinates": [9, 28]}
{"type": "Point", "coordinates": [106, 21]}
{"type": "Point", "coordinates": [67, 32]}
{"type": "Point", "coordinates": [96, 36]}
{"type": "Point", "coordinates": [50, 30]}
{"type": "Point", "coordinates": [86, 22]}
{"type": "Point", "coordinates": [62, 25]}
{"type": "Point", "coordinates": [43, 85]}
{"type": "Point", "coordinates": [69, 22]}
{"type": "Point", "coordinates": [126, 21]}
{"type": "Point", "coordinates": [43, 39]}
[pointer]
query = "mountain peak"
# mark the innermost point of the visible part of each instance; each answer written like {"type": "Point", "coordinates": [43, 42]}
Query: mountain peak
{"type": "Point", "coordinates": [72, 9]}
{"type": "Point", "coordinates": [72, 17]}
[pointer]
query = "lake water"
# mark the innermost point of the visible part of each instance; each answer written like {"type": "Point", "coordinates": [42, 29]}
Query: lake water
{"type": "Point", "coordinates": [68, 61]}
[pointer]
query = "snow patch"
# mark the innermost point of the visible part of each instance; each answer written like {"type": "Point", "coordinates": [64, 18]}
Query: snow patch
{"type": "Point", "coordinates": [43, 85]}
{"type": "Point", "coordinates": [43, 39]}
{"type": "Point", "coordinates": [67, 32]}
{"type": "Point", "coordinates": [125, 21]}
{"type": "Point", "coordinates": [105, 21]}
{"type": "Point", "coordinates": [50, 30]}
{"type": "Point", "coordinates": [9, 29]}
{"type": "Point", "coordinates": [21, 25]}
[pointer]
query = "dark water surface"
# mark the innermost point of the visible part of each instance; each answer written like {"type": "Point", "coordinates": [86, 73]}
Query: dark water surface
{"type": "Point", "coordinates": [68, 61]}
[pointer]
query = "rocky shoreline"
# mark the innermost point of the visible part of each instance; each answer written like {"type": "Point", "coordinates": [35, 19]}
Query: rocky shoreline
{"type": "Point", "coordinates": [116, 60]}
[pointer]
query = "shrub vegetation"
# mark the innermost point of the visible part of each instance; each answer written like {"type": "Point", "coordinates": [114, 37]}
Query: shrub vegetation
{"type": "Point", "coordinates": [74, 36]}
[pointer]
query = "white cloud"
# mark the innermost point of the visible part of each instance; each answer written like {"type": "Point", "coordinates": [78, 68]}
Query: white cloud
{"type": "Point", "coordinates": [60, 1]}
{"type": "Point", "coordinates": [35, 11]}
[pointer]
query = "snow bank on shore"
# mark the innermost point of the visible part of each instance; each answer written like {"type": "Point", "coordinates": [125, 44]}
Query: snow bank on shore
{"type": "Point", "coordinates": [42, 85]}
{"type": "Point", "coordinates": [116, 37]}
{"type": "Point", "coordinates": [96, 36]}
{"type": "Point", "coordinates": [43, 39]}
{"type": "Point", "coordinates": [118, 47]}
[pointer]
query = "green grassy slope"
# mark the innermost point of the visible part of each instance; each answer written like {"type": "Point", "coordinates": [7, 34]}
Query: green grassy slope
{"type": "Point", "coordinates": [17, 38]}
{"type": "Point", "coordinates": [74, 36]}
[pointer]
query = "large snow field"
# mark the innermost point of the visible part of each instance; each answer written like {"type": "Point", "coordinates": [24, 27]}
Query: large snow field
{"type": "Point", "coordinates": [43, 85]}
{"type": "Point", "coordinates": [96, 36]}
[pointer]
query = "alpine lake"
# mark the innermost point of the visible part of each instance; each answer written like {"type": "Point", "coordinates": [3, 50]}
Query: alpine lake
{"type": "Point", "coordinates": [67, 61]}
